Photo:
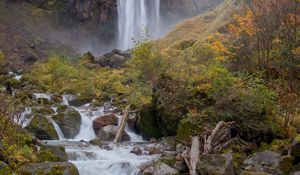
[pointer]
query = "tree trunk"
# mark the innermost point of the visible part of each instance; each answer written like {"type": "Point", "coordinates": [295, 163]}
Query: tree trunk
{"type": "Point", "coordinates": [121, 129]}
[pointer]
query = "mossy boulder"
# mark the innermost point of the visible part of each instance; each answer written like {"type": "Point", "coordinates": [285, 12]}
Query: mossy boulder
{"type": "Point", "coordinates": [159, 168]}
{"type": "Point", "coordinates": [42, 128]}
{"type": "Point", "coordinates": [80, 101]}
{"type": "Point", "coordinates": [69, 122]}
{"type": "Point", "coordinates": [50, 168]}
{"type": "Point", "coordinates": [52, 154]}
{"type": "Point", "coordinates": [147, 123]}
{"type": "Point", "coordinates": [109, 132]}
{"type": "Point", "coordinates": [217, 164]}
{"type": "Point", "coordinates": [295, 148]}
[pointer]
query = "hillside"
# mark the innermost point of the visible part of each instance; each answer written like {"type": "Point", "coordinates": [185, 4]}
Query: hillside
{"type": "Point", "coordinates": [199, 27]}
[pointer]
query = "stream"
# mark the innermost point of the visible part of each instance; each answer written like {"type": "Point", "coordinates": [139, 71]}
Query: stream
{"type": "Point", "coordinates": [89, 159]}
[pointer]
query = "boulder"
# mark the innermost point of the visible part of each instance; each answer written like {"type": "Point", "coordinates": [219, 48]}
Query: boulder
{"type": "Point", "coordinates": [218, 164]}
{"type": "Point", "coordinates": [42, 128]}
{"type": "Point", "coordinates": [268, 162]}
{"type": "Point", "coordinates": [295, 147]}
{"type": "Point", "coordinates": [116, 61]}
{"type": "Point", "coordinates": [137, 151]}
{"type": "Point", "coordinates": [131, 121]}
{"type": "Point", "coordinates": [79, 101]}
{"type": "Point", "coordinates": [62, 168]}
{"type": "Point", "coordinates": [69, 122]}
{"type": "Point", "coordinates": [101, 121]}
{"type": "Point", "coordinates": [52, 154]}
{"type": "Point", "coordinates": [108, 133]}
{"type": "Point", "coordinates": [265, 158]}
{"type": "Point", "coordinates": [152, 150]}
{"type": "Point", "coordinates": [159, 168]}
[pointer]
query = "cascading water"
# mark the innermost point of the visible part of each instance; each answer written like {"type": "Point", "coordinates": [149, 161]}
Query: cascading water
{"type": "Point", "coordinates": [137, 19]}
{"type": "Point", "coordinates": [93, 160]}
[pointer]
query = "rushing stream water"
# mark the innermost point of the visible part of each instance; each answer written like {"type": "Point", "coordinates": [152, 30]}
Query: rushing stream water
{"type": "Point", "coordinates": [93, 160]}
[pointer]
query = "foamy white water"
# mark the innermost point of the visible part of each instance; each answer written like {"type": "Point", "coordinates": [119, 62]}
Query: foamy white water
{"type": "Point", "coordinates": [93, 160]}
{"type": "Point", "coordinates": [137, 18]}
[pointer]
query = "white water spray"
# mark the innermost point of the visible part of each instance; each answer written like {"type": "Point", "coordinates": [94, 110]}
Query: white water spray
{"type": "Point", "coordinates": [137, 18]}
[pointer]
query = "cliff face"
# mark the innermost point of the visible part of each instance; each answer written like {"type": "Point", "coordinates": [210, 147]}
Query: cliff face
{"type": "Point", "coordinates": [174, 9]}
{"type": "Point", "coordinates": [34, 29]}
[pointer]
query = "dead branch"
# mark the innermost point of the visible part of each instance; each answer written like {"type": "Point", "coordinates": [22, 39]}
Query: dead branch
{"type": "Point", "coordinates": [121, 129]}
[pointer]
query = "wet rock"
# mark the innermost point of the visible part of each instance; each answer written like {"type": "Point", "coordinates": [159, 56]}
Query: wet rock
{"type": "Point", "coordinates": [152, 150]}
{"type": "Point", "coordinates": [159, 168]}
{"type": "Point", "coordinates": [137, 151]}
{"type": "Point", "coordinates": [97, 141]}
{"type": "Point", "coordinates": [42, 128]}
{"type": "Point", "coordinates": [221, 164]}
{"type": "Point", "coordinates": [131, 122]}
{"type": "Point", "coordinates": [69, 122]}
{"type": "Point", "coordinates": [62, 168]}
{"type": "Point", "coordinates": [79, 101]}
{"type": "Point", "coordinates": [52, 154]}
{"type": "Point", "coordinates": [101, 121]}
{"type": "Point", "coordinates": [108, 133]}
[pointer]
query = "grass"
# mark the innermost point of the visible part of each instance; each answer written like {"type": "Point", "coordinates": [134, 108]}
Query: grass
{"type": "Point", "coordinates": [199, 27]}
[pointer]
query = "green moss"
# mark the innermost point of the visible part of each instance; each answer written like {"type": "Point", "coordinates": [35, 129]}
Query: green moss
{"type": "Point", "coordinates": [42, 128]}
{"type": "Point", "coordinates": [148, 124]}
{"type": "Point", "coordinates": [286, 164]}
{"type": "Point", "coordinates": [169, 160]}
{"type": "Point", "coordinates": [48, 155]}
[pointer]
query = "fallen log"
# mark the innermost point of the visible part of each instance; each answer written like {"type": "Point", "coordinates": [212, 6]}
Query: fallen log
{"type": "Point", "coordinates": [122, 126]}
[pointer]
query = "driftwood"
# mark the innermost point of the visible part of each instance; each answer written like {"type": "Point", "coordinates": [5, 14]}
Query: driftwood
{"type": "Point", "coordinates": [218, 138]}
{"type": "Point", "coordinates": [121, 129]}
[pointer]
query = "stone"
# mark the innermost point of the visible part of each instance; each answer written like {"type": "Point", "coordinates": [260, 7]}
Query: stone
{"type": "Point", "coordinates": [268, 162]}
{"type": "Point", "coordinates": [159, 168]}
{"type": "Point", "coordinates": [152, 150]}
{"type": "Point", "coordinates": [131, 122]}
{"type": "Point", "coordinates": [104, 120]}
{"type": "Point", "coordinates": [265, 158]}
{"type": "Point", "coordinates": [52, 154]}
{"type": "Point", "coordinates": [137, 151]}
{"type": "Point", "coordinates": [116, 61]}
{"type": "Point", "coordinates": [295, 147]}
{"type": "Point", "coordinates": [108, 133]}
{"type": "Point", "coordinates": [42, 128]}
{"type": "Point", "coordinates": [69, 122]}
{"type": "Point", "coordinates": [218, 164]}
{"type": "Point", "coordinates": [62, 168]}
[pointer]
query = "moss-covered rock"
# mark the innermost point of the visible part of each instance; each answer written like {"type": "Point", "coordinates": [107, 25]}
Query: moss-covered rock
{"type": "Point", "coordinates": [147, 123]}
{"type": "Point", "coordinates": [52, 154]}
{"type": "Point", "coordinates": [50, 168]}
{"type": "Point", "coordinates": [217, 164]}
{"type": "Point", "coordinates": [285, 164]}
{"type": "Point", "coordinates": [69, 122]}
{"type": "Point", "coordinates": [160, 168]}
{"type": "Point", "coordinates": [79, 101]}
{"type": "Point", "coordinates": [42, 128]}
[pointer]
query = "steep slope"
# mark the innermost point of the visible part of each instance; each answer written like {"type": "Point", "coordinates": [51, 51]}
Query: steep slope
{"type": "Point", "coordinates": [199, 27]}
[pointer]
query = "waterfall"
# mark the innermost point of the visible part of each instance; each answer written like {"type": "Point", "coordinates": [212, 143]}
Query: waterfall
{"type": "Point", "coordinates": [137, 19]}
